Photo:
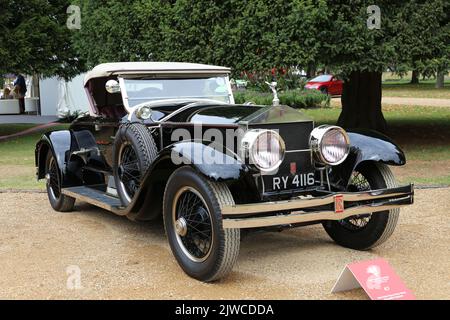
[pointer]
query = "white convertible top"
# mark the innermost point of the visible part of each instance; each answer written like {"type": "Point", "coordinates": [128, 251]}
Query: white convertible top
{"type": "Point", "coordinates": [121, 68]}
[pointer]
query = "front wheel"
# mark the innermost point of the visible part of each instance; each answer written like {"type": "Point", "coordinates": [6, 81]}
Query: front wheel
{"type": "Point", "coordinates": [193, 222]}
{"type": "Point", "coordinates": [369, 230]}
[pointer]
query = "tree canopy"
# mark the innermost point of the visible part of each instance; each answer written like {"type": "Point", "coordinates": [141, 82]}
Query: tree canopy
{"type": "Point", "coordinates": [258, 34]}
{"type": "Point", "coordinates": [35, 39]}
{"type": "Point", "coordinates": [245, 35]}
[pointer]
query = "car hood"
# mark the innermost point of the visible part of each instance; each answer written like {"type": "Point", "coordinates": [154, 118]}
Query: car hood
{"type": "Point", "coordinates": [226, 114]}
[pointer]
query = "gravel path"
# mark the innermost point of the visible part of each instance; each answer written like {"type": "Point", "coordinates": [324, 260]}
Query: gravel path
{"type": "Point", "coordinates": [417, 102]}
{"type": "Point", "coordinates": [32, 119]}
{"type": "Point", "coordinates": [121, 259]}
{"type": "Point", "coordinates": [444, 103]}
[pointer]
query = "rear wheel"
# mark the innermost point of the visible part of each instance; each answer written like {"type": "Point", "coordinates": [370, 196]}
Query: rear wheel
{"type": "Point", "coordinates": [366, 231]}
{"type": "Point", "coordinates": [58, 201]}
{"type": "Point", "coordinates": [193, 222]}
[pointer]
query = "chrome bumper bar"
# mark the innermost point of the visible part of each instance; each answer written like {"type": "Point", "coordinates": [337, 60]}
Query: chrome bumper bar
{"type": "Point", "coordinates": [301, 210]}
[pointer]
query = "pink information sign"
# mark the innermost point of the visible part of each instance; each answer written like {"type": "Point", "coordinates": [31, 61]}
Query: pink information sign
{"type": "Point", "coordinates": [376, 277]}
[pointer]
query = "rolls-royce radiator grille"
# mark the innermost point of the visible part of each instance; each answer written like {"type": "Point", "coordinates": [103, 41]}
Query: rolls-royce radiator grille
{"type": "Point", "coordinates": [297, 170]}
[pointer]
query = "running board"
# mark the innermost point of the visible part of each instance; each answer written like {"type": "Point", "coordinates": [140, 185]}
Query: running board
{"type": "Point", "coordinates": [95, 197]}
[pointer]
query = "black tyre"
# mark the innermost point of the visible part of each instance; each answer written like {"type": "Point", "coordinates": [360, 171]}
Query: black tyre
{"type": "Point", "coordinates": [58, 201]}
{"type": "Point", "coordinates": [134, 152]}
{"type": "Point", "coordinates": [193, 223]}
{"type": "Point", "coordinates": [324, 90]}
{"type": "Point", "coordinates": [367, 231]}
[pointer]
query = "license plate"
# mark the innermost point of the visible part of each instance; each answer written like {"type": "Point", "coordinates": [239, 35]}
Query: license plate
{"type": "Point", "coordinates": [293, 181]}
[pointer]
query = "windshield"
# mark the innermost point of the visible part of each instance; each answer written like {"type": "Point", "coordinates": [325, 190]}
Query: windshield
{"type": "Point", "coordinates": [142, 90]}
{"type": "Point", "coordinates": [323, 78]}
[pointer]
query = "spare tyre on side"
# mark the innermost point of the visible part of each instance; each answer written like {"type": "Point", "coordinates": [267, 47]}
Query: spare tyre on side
{"type": "Point", "coordinates": [134, 152]}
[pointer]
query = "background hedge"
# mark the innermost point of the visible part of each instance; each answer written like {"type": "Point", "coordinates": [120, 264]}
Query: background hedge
{"type": "Point", "coordinates": [299, 99]}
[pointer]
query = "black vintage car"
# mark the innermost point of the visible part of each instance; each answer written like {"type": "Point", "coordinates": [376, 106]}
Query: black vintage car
{"type": "Point", "coordinates": [167, 139]}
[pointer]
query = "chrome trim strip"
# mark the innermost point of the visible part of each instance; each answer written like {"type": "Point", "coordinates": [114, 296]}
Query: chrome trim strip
{"type": "Point", "coordinates": [295, 204]}
{"type": "Point", "coordinates": [298, 151]}
{"type": "Point", "coordinates": [302, 217]}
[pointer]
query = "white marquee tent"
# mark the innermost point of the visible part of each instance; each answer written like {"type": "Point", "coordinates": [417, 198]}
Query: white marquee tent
{"type": "Point", "coordinates": [58, 96]}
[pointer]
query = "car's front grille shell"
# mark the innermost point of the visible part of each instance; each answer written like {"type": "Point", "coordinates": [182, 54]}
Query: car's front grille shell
{"type": "Point", "coordinates": [295, 135]}
{"type": "Point", "coordinates": [298, 157]}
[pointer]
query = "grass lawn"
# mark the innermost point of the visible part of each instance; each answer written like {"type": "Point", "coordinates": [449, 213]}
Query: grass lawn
{"type": "Point", "coordinates": [423, 133]}
{"type": "Point", "coordinates": [17, 169]}
{"type": "Point", "coordinates": [421, 90]}
{"type": "Point", "coordinates": [394, 86]}
{"type": "Point", "coordinates": [7, 129]}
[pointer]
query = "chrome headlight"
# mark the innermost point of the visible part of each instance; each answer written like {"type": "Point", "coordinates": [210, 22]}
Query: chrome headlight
{"type": "Point", "coordinates": [265, 149]}
{"type": "Point", "coordinates": [144, 113]}
{"type": "Point", "coordinates": [330, 145]}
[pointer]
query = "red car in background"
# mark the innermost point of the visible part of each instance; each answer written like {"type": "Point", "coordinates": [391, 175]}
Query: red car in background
{"type": "Point", "coordinates": [327, 84]}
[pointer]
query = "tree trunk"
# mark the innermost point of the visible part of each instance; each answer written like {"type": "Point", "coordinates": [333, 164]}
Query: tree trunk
{"type": "Point", "coordinates": [415, 77]}
{"type": "Point", "coordinates": [311, 72]}
{"type": "Point", "coordinates": [361, 102]}
{"type": "Point", "coordinates": [440, 80]}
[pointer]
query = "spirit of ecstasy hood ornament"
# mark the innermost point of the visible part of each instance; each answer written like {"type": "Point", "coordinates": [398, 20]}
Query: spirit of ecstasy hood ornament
{"type": "Point", "coordinates": [273, 87]}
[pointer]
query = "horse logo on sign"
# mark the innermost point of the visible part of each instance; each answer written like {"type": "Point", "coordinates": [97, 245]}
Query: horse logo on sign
{"type": "Point", "coordinates": [375, 280]}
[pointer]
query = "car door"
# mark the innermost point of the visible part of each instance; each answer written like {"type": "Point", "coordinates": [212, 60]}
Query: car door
{"type": "Point", "coordinates": [337, 86]}
{"type": "Point", "coordinates": [332, 86]}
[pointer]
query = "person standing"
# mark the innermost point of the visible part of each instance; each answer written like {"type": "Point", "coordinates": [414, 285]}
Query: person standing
{"type": "Point", "coordinates": [21, 87]}
{"type": "Point", "coordinates": [7, 94]}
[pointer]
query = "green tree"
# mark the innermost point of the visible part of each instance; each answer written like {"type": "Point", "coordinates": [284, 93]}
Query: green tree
{"type": "Point", "coordinates": [245, 35]}
{"type": "Point", "coordinates": [426, 37]}
{"type": "Point", "coordinates": [362, 54]}
{"type": "Point", "coordinates": [35, 39]}
{"type": "Point", "coordinates": [259, 35]}
{"type": "Point", "coordinates": [110, 31]}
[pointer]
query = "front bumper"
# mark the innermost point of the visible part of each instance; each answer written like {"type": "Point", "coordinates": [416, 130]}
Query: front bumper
{"type": "Point", "coordinates": [332, 206]}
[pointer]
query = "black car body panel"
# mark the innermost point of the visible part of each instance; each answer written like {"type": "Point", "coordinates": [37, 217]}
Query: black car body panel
{"type": "Point", "coordinates": [87, 150]}
{"type": "Point", "coordinates": [84, 153]}
{"type": "Point", "coordinates": [57, 142]}
{"type": "Point", "coordinates": [367, 145]}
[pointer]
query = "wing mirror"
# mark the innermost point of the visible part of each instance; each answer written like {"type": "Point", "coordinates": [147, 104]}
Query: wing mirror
{"type": "Point", "coordinates": [112, 86]}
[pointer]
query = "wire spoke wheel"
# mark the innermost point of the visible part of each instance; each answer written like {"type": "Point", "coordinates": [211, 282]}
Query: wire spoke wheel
{"type": "Point", "coordinates": [192, 223]}
{"type": "Point", "coordinates": [358, 183]}
{"type": "Point", "coordinates": [129, 171]}
{"type": "Point", "coordinates": [369, 229]}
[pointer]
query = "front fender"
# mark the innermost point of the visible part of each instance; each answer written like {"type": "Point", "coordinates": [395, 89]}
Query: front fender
{"type": "Point", "coordinates": [214, 162]}
{"type": "Point", "coordinates": [367, 145]}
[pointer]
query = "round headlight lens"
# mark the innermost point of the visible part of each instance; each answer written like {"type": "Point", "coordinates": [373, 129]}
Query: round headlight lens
{"type": "Point", "coordinates": [266, 149]}
{"type": "Point", "coordinates": [330, 145]}
{"type": "Point", "coordinates": [144, 112]}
